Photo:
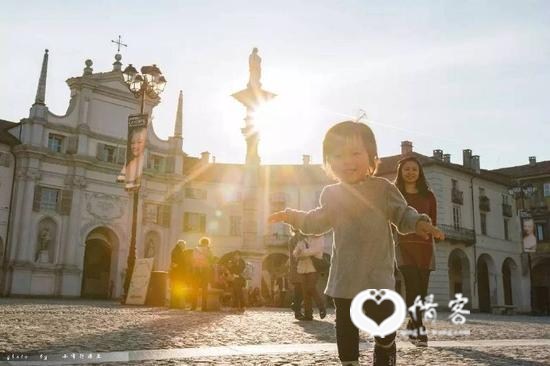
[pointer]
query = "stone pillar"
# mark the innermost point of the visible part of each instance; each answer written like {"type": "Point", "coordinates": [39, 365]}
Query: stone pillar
{"type": "Point", "coordinates": [26, 243]}
{"type": "Point", "coordinates": [20, 280]}
{"type": "Point", "coordinates": [76, 183]}
{"type": "Point", "coordinates": [499, 289]}
{"type": "Point", "coordinates": [16, 219]}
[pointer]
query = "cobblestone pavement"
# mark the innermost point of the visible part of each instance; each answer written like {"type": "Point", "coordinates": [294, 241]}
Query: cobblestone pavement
{"type": "Point", "coordinates": [63, 326]}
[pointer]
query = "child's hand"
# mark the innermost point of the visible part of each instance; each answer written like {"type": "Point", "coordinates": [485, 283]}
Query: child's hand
{"type": "Point", "coordinates": [424, 229]}
{"type": "Point", "coordinates": [280, 216]}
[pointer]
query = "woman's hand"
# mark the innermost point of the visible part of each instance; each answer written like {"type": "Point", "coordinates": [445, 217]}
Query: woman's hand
{"type": "Point", "coordinates": [424, 229]}
{"type": "Point", "coordinates": [279, 216]}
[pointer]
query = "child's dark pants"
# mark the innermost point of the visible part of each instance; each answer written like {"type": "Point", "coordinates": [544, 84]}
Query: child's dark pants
{"type": "Point", "coordinates": [347, 334]}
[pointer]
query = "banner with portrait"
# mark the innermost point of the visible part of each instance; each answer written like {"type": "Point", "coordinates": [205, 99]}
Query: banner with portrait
{"type": "Point", "coordinates": [135, 151]}
{"type": "Point", "coordinates": [528, 237]}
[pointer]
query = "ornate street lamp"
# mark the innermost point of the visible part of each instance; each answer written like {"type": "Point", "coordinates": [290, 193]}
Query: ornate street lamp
{"type": "Point", "coordinates": [150, 82]}
{"type": "Point", "coordinates": [522, 191]}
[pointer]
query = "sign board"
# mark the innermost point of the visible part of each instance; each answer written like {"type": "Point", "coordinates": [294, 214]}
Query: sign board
{"type": "Point", "coordinates": [139, 282]}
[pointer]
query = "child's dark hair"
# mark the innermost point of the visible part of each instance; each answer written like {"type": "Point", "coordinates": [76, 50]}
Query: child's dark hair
{"type": "Point", "coordinates": [421, 184]}
{"type": "Point", "coordinates": [340, 132]}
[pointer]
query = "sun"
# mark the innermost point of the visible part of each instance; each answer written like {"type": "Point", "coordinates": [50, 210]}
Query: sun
{"type": "Point", "coordinates": [282, 124]}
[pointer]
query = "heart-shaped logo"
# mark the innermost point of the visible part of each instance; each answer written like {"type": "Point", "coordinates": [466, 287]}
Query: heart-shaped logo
{"type": "Point", "coordinates": [378, 312]}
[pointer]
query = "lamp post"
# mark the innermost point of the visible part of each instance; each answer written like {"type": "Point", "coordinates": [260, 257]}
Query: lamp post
{"type": "Point", "coordinates": [149, 83]}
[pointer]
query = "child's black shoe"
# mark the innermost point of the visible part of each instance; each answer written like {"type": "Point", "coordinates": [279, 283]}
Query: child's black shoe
{"type": "Point", "coordinates": [384, 355]}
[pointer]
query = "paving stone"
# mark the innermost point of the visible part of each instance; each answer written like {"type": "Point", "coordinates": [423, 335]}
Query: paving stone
{"type": "Point", "coordinates": [64, 326]}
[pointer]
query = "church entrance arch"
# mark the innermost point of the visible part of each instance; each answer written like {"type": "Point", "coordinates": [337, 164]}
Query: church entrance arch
{"type": "Point", "coordinates": [99, 264]}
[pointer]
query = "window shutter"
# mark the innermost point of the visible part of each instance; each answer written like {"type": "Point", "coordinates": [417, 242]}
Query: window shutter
{"type": "Point", "coordinates": [72, 145]}
{"type": "Point", "coordinates": [121, 155]}
{"type": "Point", "coordinates": [145, 211]}
{"type": "Point", "coordinates": [100, 154]}
{"type": "Point", "coordinates": [203, 224]}
{"type": "Point", "coordinates": [165, 215]}
{"type": "Point", "coordinates": [185, 221]}
{"type": "Point", "coordinates": [66, 202]}
{"type": "Point", "coordinates": [170, 164]}
{"type": "Point", "coordinates": [37, 198]}
{"type": "Point", "coordinates": [149, 161]}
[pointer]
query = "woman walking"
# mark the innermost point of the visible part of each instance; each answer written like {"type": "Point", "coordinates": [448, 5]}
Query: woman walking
{"type": "Point", "coordinates": [415, 255]}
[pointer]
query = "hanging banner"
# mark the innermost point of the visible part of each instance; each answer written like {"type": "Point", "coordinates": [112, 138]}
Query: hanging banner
{"type": "Point", "coordinates": [529, 239]}
{"type": "Point", "coordinates": [135, 151]}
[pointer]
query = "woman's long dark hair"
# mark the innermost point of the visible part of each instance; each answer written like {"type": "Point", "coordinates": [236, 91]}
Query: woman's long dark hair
{"type": "Point", "coordinates": [421, 184]}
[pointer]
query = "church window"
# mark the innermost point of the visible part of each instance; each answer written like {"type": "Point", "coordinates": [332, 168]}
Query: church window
{"type": "Point", "coordinates": [194, 222]}
{"type": "Point", "coordinates": [277, 201]}
{"type": "Point", "coordinates": [195, 193]}
{"type": "Point", "coordinates": [157, 214]}
{"type": "Point", "coordinates": [156, 162]}
{"type": "Point", "coordinates": [110, 153]}
{"type": "Point", "coordinates": [49, 198]}
{"type": "Point", "coordinates": [235, 225]}
{"type": "Point", "coordinates": [55, 142]}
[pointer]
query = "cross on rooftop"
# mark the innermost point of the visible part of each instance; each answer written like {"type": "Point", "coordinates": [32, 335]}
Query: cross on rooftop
{"type": "Point", "coordinates": [119, 43]}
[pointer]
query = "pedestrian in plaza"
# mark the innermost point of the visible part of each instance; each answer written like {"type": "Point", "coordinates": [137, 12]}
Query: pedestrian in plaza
{"type": "Point", "coordinates": [202, 266]}
{"type": "Point", "coordinates": [304, 251]}
{"type": "Point", "coordinates": [294, 278]}
{"type": "Point", "coordinates": [254, 298]}
{"type": "Point", "coordinates": [360, 209]}
{"type": "Point", "coordinates": [236, 267]}
{"type": "Point", "coordinates": [178, 275]}
{"type": "Point", "coordinates": [415, 254]}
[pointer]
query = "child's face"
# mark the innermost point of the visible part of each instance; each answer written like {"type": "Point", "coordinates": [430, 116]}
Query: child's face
{"type": "Point", "coordinates": [410, 172]}
{"type": "Point", "coordinates": [350, 161]}
{"type": "Point", "coordinates": [138, 143]}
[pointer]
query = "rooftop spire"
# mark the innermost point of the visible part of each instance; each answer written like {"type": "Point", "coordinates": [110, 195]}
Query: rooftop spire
{"type": "Point", "coordinates": [179, 117]}
{"type": "Point", "coordinates": [41, 90]}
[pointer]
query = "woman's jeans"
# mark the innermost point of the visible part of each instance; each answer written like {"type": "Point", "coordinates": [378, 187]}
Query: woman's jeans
{"type": "Point", "coordinates": [310, 292]}
{"type": "Point", "coordinates": [416, 283]}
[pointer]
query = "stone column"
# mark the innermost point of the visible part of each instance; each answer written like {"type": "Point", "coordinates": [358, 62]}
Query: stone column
{"type": "Point", "coordinates": [26, 243]}
{"type": "Point", "coordinates": [76, 183]}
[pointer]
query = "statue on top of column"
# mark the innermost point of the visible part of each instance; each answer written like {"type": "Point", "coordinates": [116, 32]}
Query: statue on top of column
{"type": "Point", "coordinates": [255, 68]}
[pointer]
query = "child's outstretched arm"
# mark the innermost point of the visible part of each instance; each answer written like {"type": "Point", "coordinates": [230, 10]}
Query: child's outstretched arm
{"type": "Point", "coordinates": [424, 229]}
{"type": "Point", "coordinates": [316, 221]}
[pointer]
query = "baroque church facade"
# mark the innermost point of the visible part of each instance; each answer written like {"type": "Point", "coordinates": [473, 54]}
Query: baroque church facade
{"type": "Point", "coordinates": [66, 230]}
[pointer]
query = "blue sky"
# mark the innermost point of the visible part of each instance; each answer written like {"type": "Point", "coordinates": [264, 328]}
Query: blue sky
{"type": "Point", "coordinates": [444, 74]}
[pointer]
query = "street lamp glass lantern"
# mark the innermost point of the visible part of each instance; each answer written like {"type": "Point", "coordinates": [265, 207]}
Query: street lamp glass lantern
{"type": "Point", "coordinates": [129, 74]}
{"type": "Point", "coordinates": [135, 85]}
{"type": "Point", "coordinates": [160, 84]}
{"type": "Point", "coordinates": [151, 73]}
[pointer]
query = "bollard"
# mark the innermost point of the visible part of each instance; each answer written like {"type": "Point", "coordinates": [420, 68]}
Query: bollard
{"type": "Point", "coordinates": [158, 286]}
